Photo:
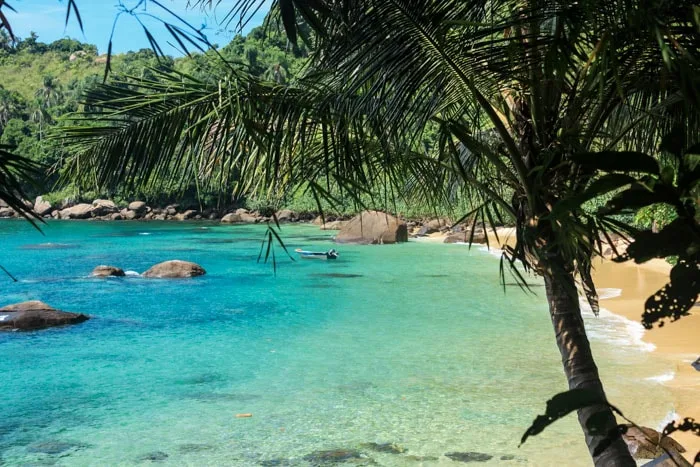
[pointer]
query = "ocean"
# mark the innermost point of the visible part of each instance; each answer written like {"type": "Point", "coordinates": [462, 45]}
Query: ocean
{"type": "Point", "coordinates": [393, 355]}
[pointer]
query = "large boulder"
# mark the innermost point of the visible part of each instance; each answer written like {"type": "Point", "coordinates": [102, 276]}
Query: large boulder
{"type": "Point", "coordinates": [373, 227]}
{"type": "Point", "coordinates": [175, 269]}
{"type": "Point", "coordinates": [107, 271]}
{"type": "Point", "coordinates": [286, 215]}
{"type": "Point", "coordinates": [189, 214]}
{"type": "Point", "coordinates": [128, 214]}
{"type": "Point", "coordinates": [231, 218]}
{"type": "Point", "coordinates": [335, 225]}
{"type": "Point", "coordinates": [139, 207]}
{"type": "Point", "coordinates": [79, 211]}
{"type": "Point", "coordinates": [647, 443]}
{"type": "Point", "coordinates": [29, 316]}
{"type": "Point", "coordinates": [42, 207]}
{"type": "Point", "coordinates": [103, 207]}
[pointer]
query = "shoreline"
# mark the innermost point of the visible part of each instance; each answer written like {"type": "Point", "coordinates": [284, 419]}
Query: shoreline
{"type": "Point", "coordinates": [678, 343]}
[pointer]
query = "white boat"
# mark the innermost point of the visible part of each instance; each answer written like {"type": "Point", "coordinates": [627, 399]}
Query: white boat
{"type": "Point", "coordinates": [330, 254]}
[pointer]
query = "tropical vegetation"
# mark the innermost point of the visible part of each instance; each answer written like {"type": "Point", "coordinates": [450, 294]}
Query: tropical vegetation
{"type": "Point", "coordinates": [527, 109]}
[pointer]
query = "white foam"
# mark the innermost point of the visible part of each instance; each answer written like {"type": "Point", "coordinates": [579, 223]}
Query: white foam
{"type": "Point", "coordinates": [615, 329]}
{"type": "Point", "coordinates": [662, 378]}
{"type": "Point", "coordinates": [131, 273]}
{"type": "Point", "coordinates": [607, 293]}
{"type": "Point", "coordinates": [4, 317]}
{"type": "Point", "coordinates": [144, 233]}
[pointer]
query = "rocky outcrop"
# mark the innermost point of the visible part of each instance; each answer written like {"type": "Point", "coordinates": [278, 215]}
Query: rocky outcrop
{"type": "Point", "coordinates": [79, 211]}
{"type": "Point", "coordinates": [33, 315]}
{"type": "Point", "coordinates": [103, 207]}
{"type": "Point", "coordinates": [286, 215]}
{"type": "Point", "coordinates": [373, 227]}
{"type": "Point", "coordinates": [183, 216]}
{"type": "Point", "coordinates": [175, 269]}
{"type": "Point", "coordinates": [138, 207]}
{"type": "Point", "coordinates": [647, 443]}
{"type": "Point", "coordinates": [42, 207]}
{"type": "Point", "coordinates": [107, 271]}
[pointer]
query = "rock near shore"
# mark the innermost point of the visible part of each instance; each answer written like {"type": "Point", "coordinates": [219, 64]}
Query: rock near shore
{"type": "Point", "coordinates": [107, 271]}
{"type": "Point", "coordinates": [175, 269]}
{"type": "Point", "coordinates": [373, 227]}
{"type": "Point", "coordinates": [33, 315]}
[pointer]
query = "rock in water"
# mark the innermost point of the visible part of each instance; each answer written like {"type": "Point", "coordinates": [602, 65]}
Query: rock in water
{"type": "Point", "coordinates": [107, 271]}
{"type": "Point", "coordinates": [469, 456]}
{"type": "Point", "coordinates": [29, 316]}
{"type": "Point", "coordinates": [175, 269]}
{"type": "Point", "coordinates": [389, 448]}
{"type": "Point", "coordinates": [373, 227]}
{"type": "Point", "coordinates": [286, 215]}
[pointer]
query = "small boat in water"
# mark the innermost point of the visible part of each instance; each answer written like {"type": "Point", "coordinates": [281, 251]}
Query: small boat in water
{"type": "Point", "coordinates": [330, 254]}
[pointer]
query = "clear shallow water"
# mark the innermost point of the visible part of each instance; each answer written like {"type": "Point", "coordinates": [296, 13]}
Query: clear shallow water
{"type": "Point", "coordinates": [411, 344]}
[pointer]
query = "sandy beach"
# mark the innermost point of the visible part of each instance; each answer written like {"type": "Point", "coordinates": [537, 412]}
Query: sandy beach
{"type": "Point", "coordinates": [679, 342]}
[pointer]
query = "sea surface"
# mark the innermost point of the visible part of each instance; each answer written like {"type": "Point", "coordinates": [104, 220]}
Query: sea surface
{"type": "Point", "coordinates": [414, 345]}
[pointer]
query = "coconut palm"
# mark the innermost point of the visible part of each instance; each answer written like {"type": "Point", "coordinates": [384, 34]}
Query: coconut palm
{"type": "Point", "coordinates": [549, 79]}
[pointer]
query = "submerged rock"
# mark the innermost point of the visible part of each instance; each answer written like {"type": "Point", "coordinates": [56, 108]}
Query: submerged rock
{"type": "Point", "coordinates": [389, 448]}
{"type": "Point", "coordinates": [107, 271]}
{"type": "Point", "coordinates": [155, 456]}
{"type": "Point", "coordinates": [194, 447]}
{"type": "Point", "coordinates": [53, 447]}
{"type": "Point", "coordinates": [175, 269]}
{"type": "Point", "coordinates": [373, 227]}
{"type": "Point", "coordinates": [33, 315]}
{"type": "Point", "coordinates": [334, 456]}
{"type": "Point", "coordinates": [469, 456]}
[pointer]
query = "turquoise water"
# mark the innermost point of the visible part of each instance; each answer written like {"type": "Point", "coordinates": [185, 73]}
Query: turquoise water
{"type": "Point", "coordinates": [412, 344]}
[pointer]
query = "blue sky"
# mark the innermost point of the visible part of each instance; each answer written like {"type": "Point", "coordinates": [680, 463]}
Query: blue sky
{"type": "Point", "coordinates": [47, 19]}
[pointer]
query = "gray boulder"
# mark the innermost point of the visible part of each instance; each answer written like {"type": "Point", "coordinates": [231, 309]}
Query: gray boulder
{"type": "Point", "coordinates": [103, 207]}
{"type": "Point", "coordinates": [79, 211]}
{"type": "Point", "coordinates": [231, 218]}
{"type": "Point", "coordinates": [373, 227]}
{"type": "Point", "coordinates": [42, 207]}
{"type": "Point", "coordinates": [286, 215]}
{"type": "Point", "coordinates": [7, 212]}
{"type": "Point", "coordinates": [175, 269]}
{"type": "Point", "coordinates": [138, 207]}
{"type": "Point", "coordinates": [128, 214]}
{"type": "Point", "coordinates": [29, 316]}
{"type": "Point", "coordinates": [107, 271]}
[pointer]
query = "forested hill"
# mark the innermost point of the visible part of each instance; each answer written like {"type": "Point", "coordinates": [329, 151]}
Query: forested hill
{"type": "Point", "coordinates": [40, 82]}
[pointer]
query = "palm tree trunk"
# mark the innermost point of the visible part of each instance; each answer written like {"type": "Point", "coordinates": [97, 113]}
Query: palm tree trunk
{"type": "Point", "coordinates": [579, 366]}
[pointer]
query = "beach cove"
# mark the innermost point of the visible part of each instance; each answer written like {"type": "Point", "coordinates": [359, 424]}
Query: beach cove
{"type": "Point", "coordinates": [384, 347]}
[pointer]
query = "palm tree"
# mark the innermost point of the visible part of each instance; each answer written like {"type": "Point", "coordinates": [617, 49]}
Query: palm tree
{"type": "Point", "coordinates": [550, 79]}
{"type": "Point", "coordinates": [50, 93]}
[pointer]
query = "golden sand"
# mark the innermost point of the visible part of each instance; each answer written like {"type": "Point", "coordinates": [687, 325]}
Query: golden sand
{"type": "Point", "coordinates": [679, 341]}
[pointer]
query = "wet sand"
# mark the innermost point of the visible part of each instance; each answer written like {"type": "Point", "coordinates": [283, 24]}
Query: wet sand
{"type": "Point", "coordinates": [679, 342]}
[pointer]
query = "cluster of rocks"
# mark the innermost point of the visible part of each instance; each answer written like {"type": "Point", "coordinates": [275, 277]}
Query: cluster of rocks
{"type": "Point", "coordinates": [172, 269]}
{"type": "Point", "coordinates": [368, 227]}
{"type": "Point", "coordinates": [34, 315]}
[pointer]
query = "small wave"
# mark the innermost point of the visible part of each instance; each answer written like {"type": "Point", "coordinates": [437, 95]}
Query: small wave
{"type": "Point", "coordinates": [662, 378]}
{"type": "Point", "coordinates": [131, 273]}
{"type": "Point", "coordinates": [615, 329]}
{"type": "Point", "coordinates": [605, 294]}
{"type": "Point", "coordinates": [144, 233]}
